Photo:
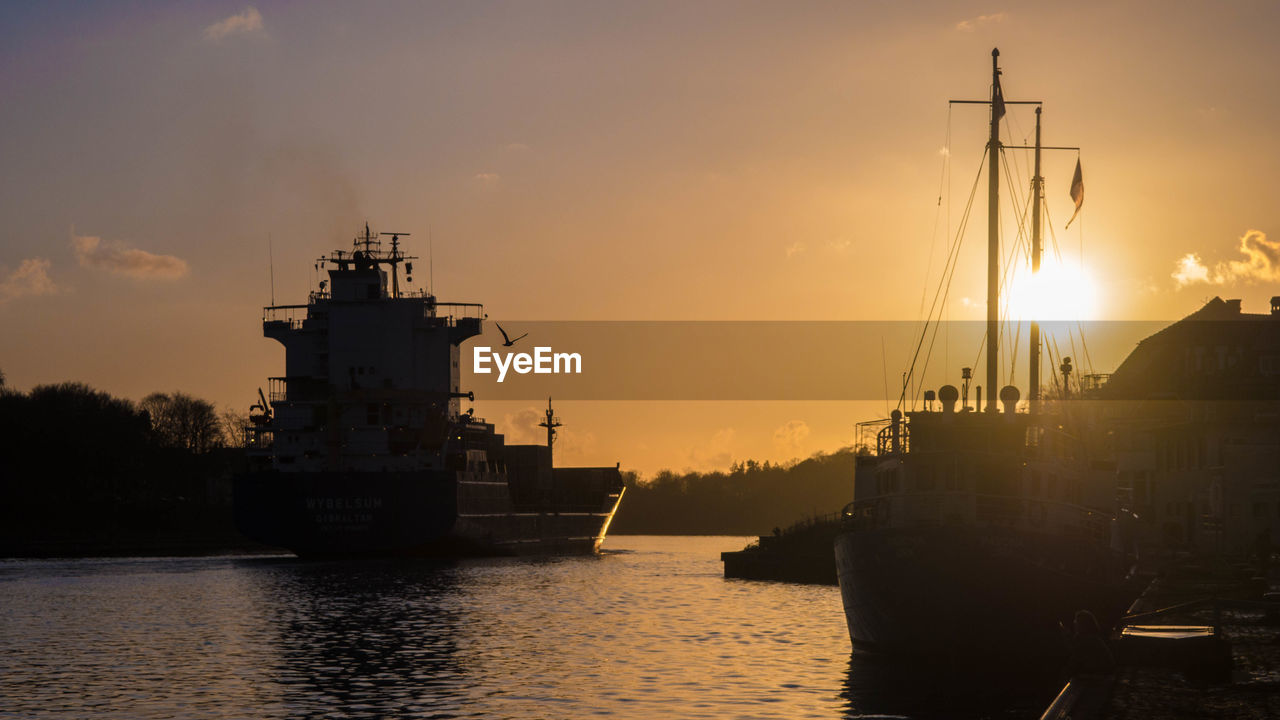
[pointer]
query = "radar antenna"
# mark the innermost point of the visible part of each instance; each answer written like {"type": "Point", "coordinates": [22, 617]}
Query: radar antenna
{"type": "Point", "coordinates": [551, 423]}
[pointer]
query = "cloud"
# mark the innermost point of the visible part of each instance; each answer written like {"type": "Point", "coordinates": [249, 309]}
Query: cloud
{"type": "Point", "coordinates": [121, 260]}
{"type": "Point", "coordinates": [487, 178]}
{"type": "Point", "coordinates": [1262, 257]}
{"type": "Point", "coordinates": [1261, 263]}
{"type": "Point", "coordinates": [1190, 271]}
{"type": "Point", "coordinates": [974, 23]}
{"type": "Point", "coordinates": [715, 454]}
{"type": "Point", "coordinates": [789, 437]}
{"type": "Point", "coordinates": [246, 22]}
{"type": "Point", "coordinates": [31, 278]}
{"type": "Point", "coordinates": [794, 249]}
{"type": "Point", "coordinates": [521, 428]}
{"type": "Point", "coordinates": [839, 245]}
{"type": "Point", "coordinates": [573, 444]}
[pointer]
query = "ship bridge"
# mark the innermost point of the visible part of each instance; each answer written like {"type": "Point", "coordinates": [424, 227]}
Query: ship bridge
{"type": "Point", "coordinates": [372, 367]}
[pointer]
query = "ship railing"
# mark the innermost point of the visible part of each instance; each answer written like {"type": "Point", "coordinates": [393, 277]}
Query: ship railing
{"type": "Point", "coordinates": [277, 389]}
{"type": "Point", "coordinates": [889, 443]}
{"type": "Point", "coordinates": [866, 432]}
{"type": "Point", "coordinates": [958, 507]}
{"type": "Point", "coordinates": [453, 311]}
{"type": "Point", "coordinates": [1092, 383]}
{"type": "Point", "coordinates": [291, 314]}
{"type": "Point", "coordinates": [812, 521]}
{"type": "Point", "coordinates": [257, 440]}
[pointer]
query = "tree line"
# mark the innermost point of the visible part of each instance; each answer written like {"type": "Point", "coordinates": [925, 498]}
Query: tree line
{"type": "Point", "coordinates": [750, 498]}
{"type": "Point", "coordinates": [84, 473]}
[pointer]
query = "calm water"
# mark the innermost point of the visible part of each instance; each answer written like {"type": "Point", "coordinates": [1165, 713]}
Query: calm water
{"type": "Point", "coordinates": [648, 629]}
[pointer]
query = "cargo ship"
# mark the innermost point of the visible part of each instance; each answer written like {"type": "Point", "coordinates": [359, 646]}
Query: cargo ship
{"type": "Point", "coordinates": [974, 530]}
{"type": "Point", "coordinates": [362, 448]}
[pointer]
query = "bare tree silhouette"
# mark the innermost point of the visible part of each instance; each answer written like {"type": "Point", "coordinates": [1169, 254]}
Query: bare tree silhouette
{"type": "Point", "coordinates": [182, 421]}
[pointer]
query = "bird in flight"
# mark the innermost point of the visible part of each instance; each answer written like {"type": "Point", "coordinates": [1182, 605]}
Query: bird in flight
{"type": "Point", "coordinates": [506, 339]}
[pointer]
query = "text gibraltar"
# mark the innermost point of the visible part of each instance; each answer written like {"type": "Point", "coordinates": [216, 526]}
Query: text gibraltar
{"type": "Point", "coordinates": [542, 362]}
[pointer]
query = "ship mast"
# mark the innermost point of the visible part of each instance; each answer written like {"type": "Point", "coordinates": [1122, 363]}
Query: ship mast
{"type": "Point", "coordinates": [993, 234]}
{"type": "Point", "coordinates": [551, 423]}
{"type": "Point", "coordinates": [1037, 195]}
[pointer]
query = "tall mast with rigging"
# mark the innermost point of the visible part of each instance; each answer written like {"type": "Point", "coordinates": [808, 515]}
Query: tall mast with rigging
{"type": "Point", "coordinates": [994, 148]}
{"type": "Point", "coordinates": [993, 234]}
{"type": "Point", "coordinates": [1037, 196]}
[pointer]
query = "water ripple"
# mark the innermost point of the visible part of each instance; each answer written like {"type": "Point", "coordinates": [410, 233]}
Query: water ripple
{"type": "Point", "coordinates": [648, 628]}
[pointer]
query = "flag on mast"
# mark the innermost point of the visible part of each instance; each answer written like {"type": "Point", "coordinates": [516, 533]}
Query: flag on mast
{"type": "Point", "coordinates": [1077, 192]}
{"type": "Point", "coordinates": [997, 100]}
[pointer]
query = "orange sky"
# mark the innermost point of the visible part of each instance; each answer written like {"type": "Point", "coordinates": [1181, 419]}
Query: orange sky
{"type": "Point", "coordinates": [600, 161]}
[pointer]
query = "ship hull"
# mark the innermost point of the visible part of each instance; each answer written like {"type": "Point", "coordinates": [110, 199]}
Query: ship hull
{"type": "Point", "coordinates": [428, 513]}
{"type": "Point", "coordinates": [948, 593]}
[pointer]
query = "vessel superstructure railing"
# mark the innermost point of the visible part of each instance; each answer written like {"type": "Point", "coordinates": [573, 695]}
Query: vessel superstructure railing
{"type": "Point", "coordinates": [294, 315]}
{"type": "Point", "coordinates": [936, 508]}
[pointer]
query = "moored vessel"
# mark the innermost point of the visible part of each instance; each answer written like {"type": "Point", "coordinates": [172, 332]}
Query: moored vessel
{"type": "Point", "coordinates": [975, 530]}
{"type": "Point", "coordinates": [362, 446]}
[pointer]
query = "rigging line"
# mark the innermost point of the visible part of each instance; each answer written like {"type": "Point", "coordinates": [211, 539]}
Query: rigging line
{"type": "Point", "coordinates": [953, 262]}
{"type": "Point", "coordinates": [1072, 339]}
{"type": "Point", "coordinates": [1010, 122]}
{"type": "Point", "coordinates": [1080, 231]}
{"type": "Point", "coordinates": [948, 167]}
{"type": "Point", "coordinates": [945, 310]}
{"type": "Point", "coordinates": [943, 290]}
{"type": "Point", "coordinates": [1020, 240]}
{"type": "Point", "coordinates": [1053, 236]}
{"type": "Point", "coordinates": [1020, 243]}
{"type": "Point", "coordinates": [1084, 346]}
{"type": "Point", "coordinates": [933, 234]}
{"type": "Point", "coordinates": [1007, 309]}
{"type": "Point", "coordinates": [944, 307]}
{"type": "Point", "coordinates": [884, 363]}
{"type": "Point", "coordinates": [953, 251]}
{"type": "Point", "coordinates": [1056, 358]}
{"type": "Point", "coordinates": [1013, 354]}
{"type": "Point", "coordinates": [940, 293]}
{"type": "Point", "coordinates": [1079, 327]}
{"type": "Point", "coordinates": [1009, 319]}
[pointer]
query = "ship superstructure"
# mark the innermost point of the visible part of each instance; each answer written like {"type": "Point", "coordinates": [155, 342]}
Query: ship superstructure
{"type": "Point", "coordinates": [362, 446]}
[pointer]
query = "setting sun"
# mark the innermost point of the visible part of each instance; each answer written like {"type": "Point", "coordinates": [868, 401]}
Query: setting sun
{"type": "Point", "coordinates": [1060, 291]}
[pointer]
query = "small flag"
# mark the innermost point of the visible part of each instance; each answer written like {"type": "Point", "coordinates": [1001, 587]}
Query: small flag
{"type": "Point", "coordinates": [1077, 192]}
{"type": "Point", "coordinates": [997, 100]}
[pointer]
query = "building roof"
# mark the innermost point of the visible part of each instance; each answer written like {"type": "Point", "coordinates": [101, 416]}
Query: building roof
{"type": "Point", "coordinates": [1217, 352]}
